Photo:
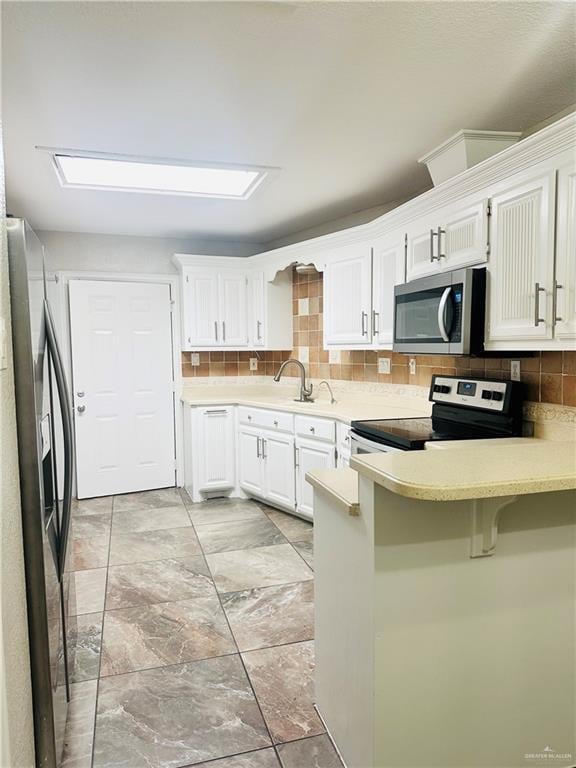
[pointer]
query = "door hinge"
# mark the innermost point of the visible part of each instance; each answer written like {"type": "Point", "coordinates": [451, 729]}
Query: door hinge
{"type": "Point", "coordinates": [336, 456]}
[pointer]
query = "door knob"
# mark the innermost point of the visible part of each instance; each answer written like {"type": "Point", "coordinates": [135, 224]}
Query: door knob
{"type": "Point", "coordinates": [81, 408]}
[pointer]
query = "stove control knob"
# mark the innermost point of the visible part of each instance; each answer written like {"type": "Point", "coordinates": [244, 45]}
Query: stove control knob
{"type": "Point", "coordinates": [497, 395]}
{"type": "Point", "coordinates": [443, 389]}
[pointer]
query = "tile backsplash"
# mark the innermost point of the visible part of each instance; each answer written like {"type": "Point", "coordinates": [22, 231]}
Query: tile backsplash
{"type": "Point", "coordinates": [549, 377]}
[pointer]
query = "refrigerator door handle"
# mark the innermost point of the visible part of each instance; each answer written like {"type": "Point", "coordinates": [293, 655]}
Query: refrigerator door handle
{"type": "Point", "coordinates": [67, 431]}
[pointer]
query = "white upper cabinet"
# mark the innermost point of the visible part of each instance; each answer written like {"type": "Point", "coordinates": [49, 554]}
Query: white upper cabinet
{"type": "Point", "coordinates": [521, 267]}
{"type": "Point", "coordinates": [348, 297]}
{"type": "Point", "coordinates": [270, 310]}
{"type": "Point", "coordinates": [232, 290]}
{"type": "Point", "coordinates": [451, 238]}
{"type": "Point", "coordinates": [256, 305]}
{"type": "Point", "coordinates": [564, 296]}
{"type": "Point", "coordinates": [200, 289]}
{"type": "Point", "coordinates": [387, 271]}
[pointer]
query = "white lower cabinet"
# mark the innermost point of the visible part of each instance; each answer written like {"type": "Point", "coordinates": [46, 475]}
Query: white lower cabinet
{"type": "Point", "coordinates": [310, 454]}
{"type": "Point", "coordinates": [210, 451]}
{"type": "Point", "coordinates": [266, 465]}
{"type": "Point", "coordinates": [250, 467]}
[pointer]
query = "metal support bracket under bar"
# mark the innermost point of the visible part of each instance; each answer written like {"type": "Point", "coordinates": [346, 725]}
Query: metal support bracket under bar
{"type": "Point", "coordinates": [484, 528]}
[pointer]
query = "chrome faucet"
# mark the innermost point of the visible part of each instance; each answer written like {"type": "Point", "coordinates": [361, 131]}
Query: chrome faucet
{"type": "Point", "coordinates": [305, 392]}
{"type": "Point", "coordinates": [332, 398]}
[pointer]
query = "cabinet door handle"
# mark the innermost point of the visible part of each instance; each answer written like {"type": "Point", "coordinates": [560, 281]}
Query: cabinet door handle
{"type": "Point", "coordinates": [375, 325]}
{"type": "Point", "coordinates": [258, 447]}
{"type": "Point", "coordinates": [537, 290]}
{"type": "Point", "coordinates": [216, 329]}
{"type": "Point", "coordinates": [364, 319]}
{"type": "Point", "coordinates": [555, 317]}
{"type": "Point", "coordinates": [258, 330]}
{"type": "Point", "coordinates": [264, 454]}
{"type": "Point", "coordinates": [432, 236]}
{"type": "Point", "coordinates": [296, 457]}
{"type": "Point", "coordinates": [223, 330]}
{"type": "Point", "coordinates": [439, 233]}
{"type": "Point", "coordinates": [213, 412]}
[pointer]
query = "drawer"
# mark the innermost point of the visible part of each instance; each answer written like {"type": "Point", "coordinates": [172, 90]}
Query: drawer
{"type": "Point", "coordinates": [315, 428]}
{"type": "Point", "coordinates": [278, 421]}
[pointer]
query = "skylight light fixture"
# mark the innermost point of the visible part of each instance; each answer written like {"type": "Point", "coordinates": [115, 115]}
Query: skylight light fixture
{"type": "Point", "coordinates": [125, 173]}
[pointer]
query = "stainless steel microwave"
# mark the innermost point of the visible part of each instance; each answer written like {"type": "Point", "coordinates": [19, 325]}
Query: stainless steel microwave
{"type": "Point", "coordinates": [442, 314]}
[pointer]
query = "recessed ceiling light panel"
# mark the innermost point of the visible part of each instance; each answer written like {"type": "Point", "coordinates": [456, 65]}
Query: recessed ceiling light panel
{"type": "Point", "coordinates": [122, 173]}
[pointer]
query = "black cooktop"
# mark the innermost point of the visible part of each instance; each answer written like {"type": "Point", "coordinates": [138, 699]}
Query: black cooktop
{"type": "Point", "coordinates": [409, 434]}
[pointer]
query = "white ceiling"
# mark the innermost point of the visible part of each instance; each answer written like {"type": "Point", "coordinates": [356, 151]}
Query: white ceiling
{"type": "Point", "coordinates": [343, 97]}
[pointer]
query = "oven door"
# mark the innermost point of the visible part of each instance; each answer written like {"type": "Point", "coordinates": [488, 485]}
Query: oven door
{"type": "Point", "coordinates": [360, 444]}
{"type": "Point", "coordinates": [432, 315]}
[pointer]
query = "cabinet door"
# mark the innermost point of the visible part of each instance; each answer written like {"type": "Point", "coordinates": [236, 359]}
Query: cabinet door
{"type": "Point", "coordinates": [310, 455]}
{"type": "Point", "coordinates": [216, 459]}
{"type": "Point", "coordinates": [464, 236]}
{"type": "Point", "coordinates": [521, 266]}
{"type": "Point", "coordinates": [250, 464]}
{"type": "Point", "coordinates": [422, 255]}
{"type": "Point", "coordinates": [278, 454]}
{"type": "Point", "coordinates": [232, 306]}
{"type": "Point", "coordinates": [257, 323]}
{"type": "Point", "coordinates": [388, 271]}
{"type": "Point", "coordinates": [347, 297]}
{"type": "Point", "coordinates": [200, 308]}
{"type": "Point", "coordinates": [564, 315]}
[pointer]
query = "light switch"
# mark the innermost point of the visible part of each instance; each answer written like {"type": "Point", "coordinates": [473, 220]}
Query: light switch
{"type": "Point", "coordinates": [412, 366]}
{"type": "Point", "coordinates": [383, 365]}
{"type": "Point", "coordinates": [253, 363]}
{"type": "Point", "coordinates": [515, 370]}
{"type": "Point", "coordinates": [195, 358]}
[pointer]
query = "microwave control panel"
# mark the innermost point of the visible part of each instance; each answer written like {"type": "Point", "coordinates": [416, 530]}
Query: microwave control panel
{"type": "Point", "coordinates": [486, 394]}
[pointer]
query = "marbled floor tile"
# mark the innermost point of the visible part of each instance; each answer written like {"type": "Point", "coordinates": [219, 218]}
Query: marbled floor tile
{"type": "Point", "coordinates": [85, 636]}
{"type": "Point", "coordinates": [262, 567]}
{"type": "Point", "coordinates": [316, 752]}
{"type": "Point", "coordinates": [91, 506]}
{"type": "Point", "coordinates": [263, 758]}
{"type": "Point", "coordinates": [305, 550]}
{"type": "Point", "coordinates": [87, 526]}
{"type": "Point", "coordinates": [283, 680]}
{"type": "Point", "coordinates": [140, 546]}
{"type": "Point", "coordinates": [238, 534]}
{"type": "Point", "coordinates": [163, 497]}
{"type": "Point", "coordinates": [224, 510]}
{"type": "Point", "coordinates": [135, 520]}
{"type": "Point", "coordinates": [271, 616]}
{"type": "Point", "coordinates": [87, 591]}
{"type": "Point", "coordinates": [160, 581]}
{"type": "Point", "coordinates": [165, 633]}
{"type": "Point", "coordinates": [294, 528]}
{"type": "Point", "coordinates": [89, 553]}
{"type": "Point", "coordinates": [177, 716]}
{"type": "Point", "coordinates": [79, 734]}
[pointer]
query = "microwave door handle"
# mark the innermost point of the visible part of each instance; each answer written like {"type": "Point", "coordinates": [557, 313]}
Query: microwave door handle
{"type": "Point", "coordinates": [67, 431]}
{"type": "Point", "coordinates": [442, 313]}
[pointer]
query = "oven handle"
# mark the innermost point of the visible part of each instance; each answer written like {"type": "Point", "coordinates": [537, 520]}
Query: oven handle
{"type": "Point", "coordinates": [442, 313]}
{"type": "Point", "coordinates": [372, 446]}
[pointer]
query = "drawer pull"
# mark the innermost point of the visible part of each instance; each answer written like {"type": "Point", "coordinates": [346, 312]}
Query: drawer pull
{"type": "Point", "coordinates": [211, 413]}
{"type": "Point", "coordinates": [275, 423]}
{"type": "Point", "coordinates": [312, 430]}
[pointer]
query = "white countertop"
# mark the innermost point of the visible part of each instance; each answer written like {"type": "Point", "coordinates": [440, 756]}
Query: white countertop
{"type": "Point", "coordinates": [364, 405]}
{"type": "Point", "coordinates": [340, 485]}
{"type": "Point", "coordinates": [474, 469]}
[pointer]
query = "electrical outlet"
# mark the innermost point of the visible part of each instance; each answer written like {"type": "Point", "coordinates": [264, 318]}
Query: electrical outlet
{"type": "Point", "coordinates": [383, 365]}
{"type": "Point", "coordinates": [515, 370]}
{"type": "Point", "coordinates": [412, 366]}
{"type": "Point", "coordinates": [195, 358]}
{"type": "Point", "coordinates": [253, 363]}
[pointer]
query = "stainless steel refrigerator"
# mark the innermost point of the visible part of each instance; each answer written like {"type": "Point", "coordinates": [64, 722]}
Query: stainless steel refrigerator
{"type": "Point", "coordinates": [45, 440]}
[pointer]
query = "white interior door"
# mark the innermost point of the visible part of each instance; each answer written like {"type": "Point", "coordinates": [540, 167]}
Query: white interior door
{"type": "Point", "coordinates": [122, 386]}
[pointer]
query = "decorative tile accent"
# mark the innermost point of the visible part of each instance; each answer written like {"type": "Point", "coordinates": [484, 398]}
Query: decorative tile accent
{"type": "Point", "coordinates": [283, 680]}
{"type": "Point", "coordinates": [143, 546]}
{"type": "Point", "coordinates": [166, 633]}
{"type": "Point", "coordinates": [362, 366]}
{"type": "Point", "coordinates": [271, 616]}
{"type": "Point", "coordinates": [316, 752]}
{"type": "Point", "coordinates": [262, 567]}
{"type": "Point", "coordinates": [177, 715]}
{"type": "Point", "coordinates": [157, 582]}
{"type": "Point", "coordinates": [238, 534]}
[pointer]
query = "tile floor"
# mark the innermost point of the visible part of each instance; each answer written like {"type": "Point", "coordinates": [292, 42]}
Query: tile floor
{"type": "Point", "coordinates": [193, 636]}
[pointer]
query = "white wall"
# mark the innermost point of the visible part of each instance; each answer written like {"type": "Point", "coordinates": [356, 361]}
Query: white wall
{"type": "Point", "coordinates": [16, 724]}
{"type": "Point", "coordinates": [125, 253]}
